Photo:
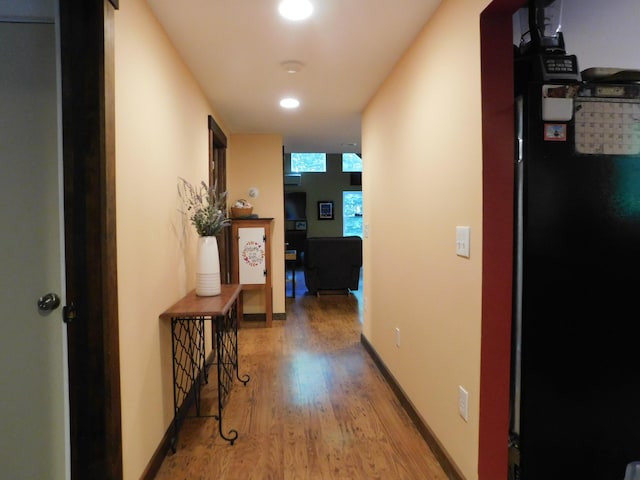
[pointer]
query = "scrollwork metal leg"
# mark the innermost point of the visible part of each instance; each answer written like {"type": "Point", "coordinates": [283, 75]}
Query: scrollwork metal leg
{"type": "Point", "coordinates": [227, 362]}
{"type": "Point", "coordinates": [233, 319]}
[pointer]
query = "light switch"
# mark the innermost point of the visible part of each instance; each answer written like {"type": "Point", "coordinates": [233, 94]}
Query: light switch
{"type": "Point", "coordinates": [463, 239]}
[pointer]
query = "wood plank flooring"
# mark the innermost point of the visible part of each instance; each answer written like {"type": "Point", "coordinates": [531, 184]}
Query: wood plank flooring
{"type": "Point", "coordinates": [316, 407]}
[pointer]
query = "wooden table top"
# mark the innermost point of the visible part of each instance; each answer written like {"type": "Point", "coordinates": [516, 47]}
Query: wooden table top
{"type": "Point", "coordinates": [192, 305]}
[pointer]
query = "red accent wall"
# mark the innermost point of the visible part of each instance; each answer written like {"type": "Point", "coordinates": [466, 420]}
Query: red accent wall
{"type": "Point", "coordinates": [498, 136]}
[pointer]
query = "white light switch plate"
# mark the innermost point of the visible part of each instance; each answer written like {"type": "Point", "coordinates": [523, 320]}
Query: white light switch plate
{"type": "Point", "coordinates": [463, 240]}
{"type": "Point", "coordinates": [463, 403]}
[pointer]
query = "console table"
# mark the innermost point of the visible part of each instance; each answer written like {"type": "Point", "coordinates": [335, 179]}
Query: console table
{"type": "Point", "coordinates": [190, 367]}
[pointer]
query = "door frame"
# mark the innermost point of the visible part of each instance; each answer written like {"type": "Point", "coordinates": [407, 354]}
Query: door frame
{"type": "Point", "coordinates": [88, 139]}
{"type": "Point", "coordinates": [218, 177]}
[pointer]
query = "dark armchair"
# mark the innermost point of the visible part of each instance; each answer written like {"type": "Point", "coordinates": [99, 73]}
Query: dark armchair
{"type": "Point", "coordinates": [332, 263]}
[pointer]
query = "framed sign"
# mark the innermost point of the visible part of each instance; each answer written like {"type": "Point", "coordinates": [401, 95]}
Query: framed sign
{"type": "Point", "coordinates": [325, 210]}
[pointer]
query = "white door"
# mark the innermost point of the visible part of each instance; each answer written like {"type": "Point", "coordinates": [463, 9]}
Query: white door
{"type": "Point", "coordinates": [33, 403]}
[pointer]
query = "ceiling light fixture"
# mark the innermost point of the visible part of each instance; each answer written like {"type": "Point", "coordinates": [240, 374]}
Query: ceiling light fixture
{"type": "Point", "coordinates": [289, 103]}
{"type": "Point", "coordinates": [295, 9]}
{"type": "Point", "coordinates": [292, 66]}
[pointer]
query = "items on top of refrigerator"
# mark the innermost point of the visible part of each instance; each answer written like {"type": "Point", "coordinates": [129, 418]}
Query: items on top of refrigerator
{"type": "Point", "coordinates": [611, 75]}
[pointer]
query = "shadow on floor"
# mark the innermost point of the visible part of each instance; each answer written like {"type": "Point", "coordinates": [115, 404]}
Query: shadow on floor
{"type": "Point", "coordinates": [301, 287]}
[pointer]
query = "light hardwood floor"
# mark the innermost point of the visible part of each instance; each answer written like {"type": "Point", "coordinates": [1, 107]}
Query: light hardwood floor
{"type": "Point", "coordinates": [316, 407]}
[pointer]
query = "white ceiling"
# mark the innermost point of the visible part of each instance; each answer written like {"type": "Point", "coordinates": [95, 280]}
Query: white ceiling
{"type": "Point", "coordinates": [235, 49]}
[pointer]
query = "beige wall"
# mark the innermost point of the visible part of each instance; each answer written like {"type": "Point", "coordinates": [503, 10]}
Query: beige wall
{"type": "Point", "coordinates": [427, 118]}
{"type": "Point", "coordinates": [161, 133]}
{"type": "Point", "coordinates": [256, 161]}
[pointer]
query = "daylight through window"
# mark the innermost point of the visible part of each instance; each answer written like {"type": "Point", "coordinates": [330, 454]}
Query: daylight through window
{"type": "Point", "coordinates": [351, 162]}
{"type": "Point", "coordinates": [308, 162]}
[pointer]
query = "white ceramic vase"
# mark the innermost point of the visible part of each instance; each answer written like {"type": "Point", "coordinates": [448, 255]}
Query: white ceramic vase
{"type": "Point", "coordinates": [208, 267]}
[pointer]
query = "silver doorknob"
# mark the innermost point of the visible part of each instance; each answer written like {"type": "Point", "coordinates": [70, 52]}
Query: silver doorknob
{"type": "Point", "coordinates": [48, 302]}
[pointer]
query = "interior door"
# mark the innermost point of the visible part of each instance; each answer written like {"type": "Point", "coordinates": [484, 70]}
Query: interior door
{"type": "Point", "coordinates": [33, 405]}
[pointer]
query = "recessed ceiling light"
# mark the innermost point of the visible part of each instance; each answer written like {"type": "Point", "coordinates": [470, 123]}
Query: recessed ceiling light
{"type": "Point", "coordinates": [292, 66]}
{"type": "Point", "coordinates": [289, 103]}
{"type": "Point", "coordinates": [295, 9]}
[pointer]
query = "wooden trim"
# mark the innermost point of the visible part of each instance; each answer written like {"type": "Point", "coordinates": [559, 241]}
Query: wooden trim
{"type": "Point", "coordinates": [262, 317]}
{"type": "Point", "coordinates": [88, 117]}
{"type": "Point", "coordinates": [218, 176]}
{"type": "Point", "coordinates": [153, 467]}
{"type": "Point", "coordinates": [439, 452]}
{"type": "Point", "coordinates": [109, 290]}
{"type": "Point", "coordinates": [220, 137]}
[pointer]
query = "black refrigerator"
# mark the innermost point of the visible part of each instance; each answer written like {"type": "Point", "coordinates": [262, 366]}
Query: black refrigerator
{"type": "Point", "coordinates": [575, 397]}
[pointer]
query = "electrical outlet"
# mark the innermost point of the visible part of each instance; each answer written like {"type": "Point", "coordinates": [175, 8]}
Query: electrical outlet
{"type": "Point", "coordinates": [397, 337]}
{"type": "Point", "coordinates": [463, 403]}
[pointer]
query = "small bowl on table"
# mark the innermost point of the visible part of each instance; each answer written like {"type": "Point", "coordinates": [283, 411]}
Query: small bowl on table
{"type": "Point", "coordinates": [241, 212]}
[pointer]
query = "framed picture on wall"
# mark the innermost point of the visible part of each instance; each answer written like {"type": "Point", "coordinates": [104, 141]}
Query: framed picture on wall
{"type": "Point", "coordinates": [325, 210]}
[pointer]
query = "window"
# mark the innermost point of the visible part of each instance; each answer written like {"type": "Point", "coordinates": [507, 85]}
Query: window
{"type": "Point", "coordinates": [351, 162]}
{"type": "Point", "coordinates": [352, 213]}
{"type": "Point", "coordinates": [308, 162]}
{"type": "Point", "coordinates": [352, 200]}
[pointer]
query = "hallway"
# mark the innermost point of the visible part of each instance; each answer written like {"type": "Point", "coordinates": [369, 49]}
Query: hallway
{"type": "Point", "coordinates": [316, 407]}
